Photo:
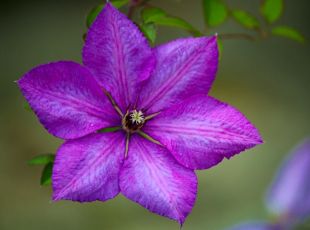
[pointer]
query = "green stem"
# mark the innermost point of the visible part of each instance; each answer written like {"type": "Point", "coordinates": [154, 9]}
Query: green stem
{"type": "Point", "coordinates": [237, 36]}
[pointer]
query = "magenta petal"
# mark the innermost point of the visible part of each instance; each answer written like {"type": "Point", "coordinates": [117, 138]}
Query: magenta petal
{"type": "Point", "coordinates": [118, 54]}
{"type": "Point", "coordinates": [184, 68]}
{"type": "Point", "coordinates": [67, 100]}
{"type": "Point", "coordinates": [290, 192]}
{"type": "Point", "coordinates": [151, 177]}
{"type": "Point", "coordinates": [201, 131]}
{"type": "Point", "coordinates": [87, 169]}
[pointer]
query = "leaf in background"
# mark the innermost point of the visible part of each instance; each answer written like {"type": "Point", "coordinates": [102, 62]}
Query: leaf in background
{"type": "Point", "coordinates": [149, 30]}
{"type": "Point", "coordinates": [152, 14]}
{"type": "Point", "coordinates": [245, 19]}
{"type": "Point", "coordinates": [96, 10]}
{"type": "Point", "coordinates": [215, 12]}
{"type": "Point", "coordinates": [159, 17]}
{"type": "Point", "coordinates": [27, 107]}
{"type": "Point", "coordinates": [288, 32]}
{"type": "Point", "coordinates": [93, 14]}
{"type": "Point", "coordinates": [119, 3]}
{"type": "Point", "coordinates": [271, 9]}
{"type": "Point", "coordinates": [42, 159]}
{"type": "Point", "coordinates": [46, 177]}
{"type": "Point", "coordinates": [220, 47]}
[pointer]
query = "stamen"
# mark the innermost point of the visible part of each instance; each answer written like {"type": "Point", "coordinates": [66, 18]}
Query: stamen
{"type": "Point", "coordinates": [137, 117]}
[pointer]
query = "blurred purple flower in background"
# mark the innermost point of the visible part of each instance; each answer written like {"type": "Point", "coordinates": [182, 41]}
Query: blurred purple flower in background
{"type": "Point", "coordinates": [289, 195]}
{"type": "Point", "coordinates": [166, 124]}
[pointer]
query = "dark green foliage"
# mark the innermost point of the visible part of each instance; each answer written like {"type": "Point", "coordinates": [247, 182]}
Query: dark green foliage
{"type": "Point", "coordinates": [245, 19]}
{"type": "Point", "coordinates": [271, 10]}
{"type": "Point", "coordinates": [215, 12]}
{"type": "Point", "coordinates": [288, 32]}
{"type": "Point", "coordinates": [46, 177]}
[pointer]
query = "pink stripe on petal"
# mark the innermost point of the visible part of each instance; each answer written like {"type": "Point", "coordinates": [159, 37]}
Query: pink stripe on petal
{"type": "Point", "coordinates": [201, 131]}
{"type": "Point", "coordinates": [87, 169]}
{"type": "Point", "coordinates": [67, 99]}
{"type": "Point", "coordinates": [153, 179]}
{"type": "Point", "coordinates": [118, 55]}
{"type": "Point", "coordinates": [185, 67]}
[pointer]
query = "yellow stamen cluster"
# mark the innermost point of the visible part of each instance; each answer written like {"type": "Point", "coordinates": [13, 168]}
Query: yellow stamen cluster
{"type": "Point", "coordinates": [137, 117]}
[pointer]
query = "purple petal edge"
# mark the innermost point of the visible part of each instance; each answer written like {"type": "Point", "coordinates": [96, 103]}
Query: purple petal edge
{"type": "Point", "coordinates": [87, 169]}
{"type": "Point", "coordinates": [67, 99]}
{"type": "Point", "coordinates": [201, 131]}
{"type": "Point", "coordinates": [185, 67]}
{"type": "Point", "coordinates": [118, 55]}
{"type": "Point", "coordinates": [153, 179]}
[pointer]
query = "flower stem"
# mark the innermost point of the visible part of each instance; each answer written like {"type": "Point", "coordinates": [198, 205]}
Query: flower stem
{"type": "Point", "coordinates": [237, 36]}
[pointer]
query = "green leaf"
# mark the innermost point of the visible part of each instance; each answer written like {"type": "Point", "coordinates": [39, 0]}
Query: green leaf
{"type": "Point", "coordinates": [149, 30]}
{"type": "Point", "coordinates": [220, 47]}
{"type": "Point", "coordinates": [159, 17]}
{"type": "Point", "coordinates": [27, 107]}
{"type": "Point", "coordinates": [245, 19]}
{"type": "Point", "coordinates": [152, 14]}
{"type": "Point", "coordinates": [119, 3]}
{"type": "Point", "coordinates": [92, 15]}
{"type": "Point", "coordinates": [42, 159]}
{"type": "Point", "coordinates": [215, 12]}
{"type": "Point", "coordinates": [271, 10]}
{"type": "Point", "coordinates": [288, 32]}
{"type": "Point", "coordinates": [46, 177]}
{"type": "Point", "coordinates": [110, 129]}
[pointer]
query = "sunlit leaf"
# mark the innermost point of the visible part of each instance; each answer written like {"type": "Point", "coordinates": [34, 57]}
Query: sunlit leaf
{"type": "Point", "coordinates": [46, 177]}
{"type": "Point", "coordinates": [159, 17]}
{"type": "Point", "coordinates": [96, 10]}
{"type": "Point", "coordinates": [215, 12]}
{"type": "Point", "coordinates": [245, 19]}
{"type": "Point", "coordinates": [271, 9]}
{"type": "Point", "coordinates": [288, 32]}
{"type": "Point", "coordinates": [149, 30]}
{"type": "Point", "coordinates": [42, 159]}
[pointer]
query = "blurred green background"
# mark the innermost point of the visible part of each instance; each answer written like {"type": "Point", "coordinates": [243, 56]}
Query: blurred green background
{"type": "Point", "coordinates": [267, 80]}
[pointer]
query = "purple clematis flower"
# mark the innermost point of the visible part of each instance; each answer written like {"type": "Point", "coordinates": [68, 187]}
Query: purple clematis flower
{"type": "Point", "coordinates": [289, 194]}
{"type": "Point", "coordinates": [167, 125]}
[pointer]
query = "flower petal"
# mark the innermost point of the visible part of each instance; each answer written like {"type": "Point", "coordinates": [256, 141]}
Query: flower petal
{"type": "Point", "coordinates": [153, 179]}
{"type": "Point", "coordinates": [289, 194]}
{"type": "Point", "coordinates": [118, 54]}
{"type": "Point", "coordinates": [184, 68]}
{"type": "Point", "coordinates": [67, 100]}
{"type": "Point", "coordinates": [201, 131]}
{"type": "Point", "coordinates": [87, 169]}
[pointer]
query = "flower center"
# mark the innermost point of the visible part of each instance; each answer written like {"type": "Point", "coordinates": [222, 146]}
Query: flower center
{"type": "Point", "coordinates": [133, 120]}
